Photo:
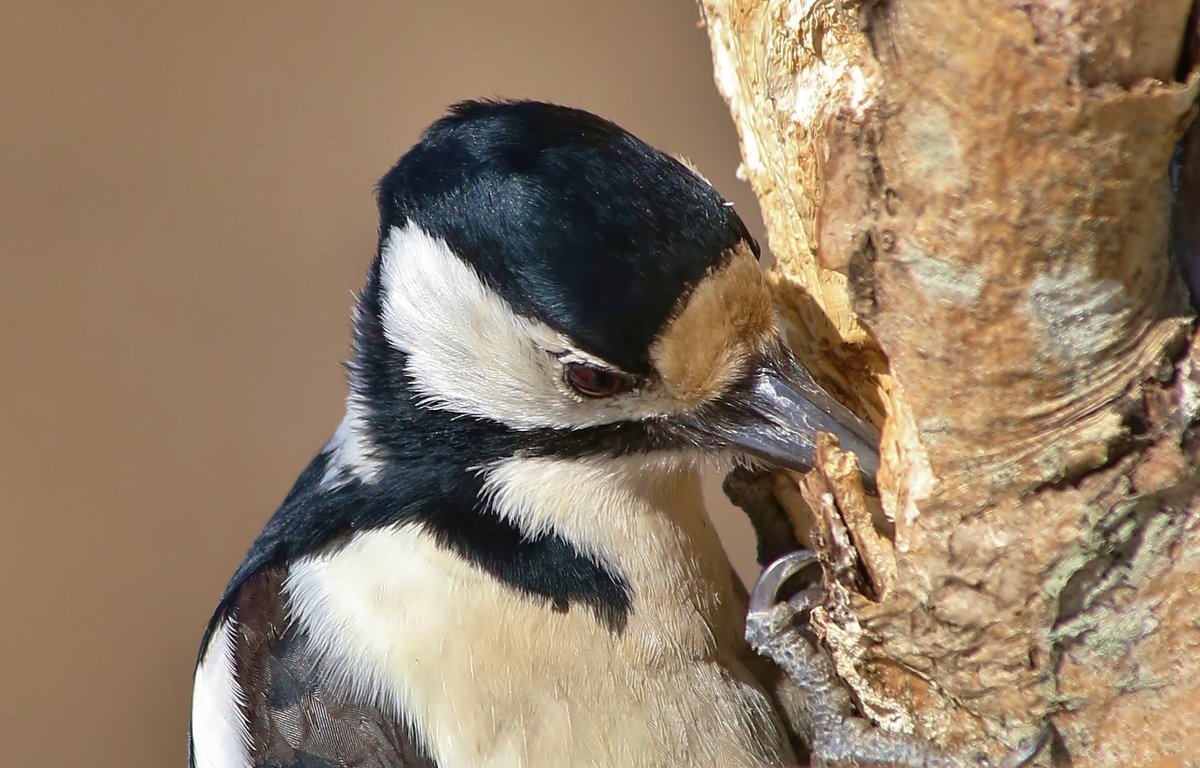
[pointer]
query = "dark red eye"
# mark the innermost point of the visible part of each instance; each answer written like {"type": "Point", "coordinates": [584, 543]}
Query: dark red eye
{"type": "Point", "coordinates": [590, 381]}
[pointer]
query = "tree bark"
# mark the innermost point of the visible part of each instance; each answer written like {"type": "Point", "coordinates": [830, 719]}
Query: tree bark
{"type": "Point", "coordinates": [970, 205]}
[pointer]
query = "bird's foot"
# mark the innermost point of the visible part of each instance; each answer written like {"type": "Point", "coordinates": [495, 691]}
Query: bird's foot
{"type": "Point", "coordinates": [836, 735]}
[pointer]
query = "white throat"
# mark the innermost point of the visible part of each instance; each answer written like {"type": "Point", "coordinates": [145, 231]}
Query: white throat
{"type": "Point", "coordinates": [641, 516]}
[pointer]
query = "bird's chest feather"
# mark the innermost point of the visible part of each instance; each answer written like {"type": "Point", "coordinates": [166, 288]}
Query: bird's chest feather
{"type": "Point", "coordinates": [491, 677]}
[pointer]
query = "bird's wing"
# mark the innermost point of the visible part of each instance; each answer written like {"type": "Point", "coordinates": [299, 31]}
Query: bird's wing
{"type": "Point", "coordinates": [262, 699]}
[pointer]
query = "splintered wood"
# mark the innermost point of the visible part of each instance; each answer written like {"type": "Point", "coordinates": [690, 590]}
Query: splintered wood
{"type": "Point", "coordinates": [970, 205]}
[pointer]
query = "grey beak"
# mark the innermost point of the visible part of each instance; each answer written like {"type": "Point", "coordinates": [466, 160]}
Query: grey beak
{"type": "Point", "coordinates": [775, 414]}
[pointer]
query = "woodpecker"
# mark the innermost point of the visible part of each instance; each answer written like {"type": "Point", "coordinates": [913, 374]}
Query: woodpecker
{"type": "Point", "coordinates": [501, 557]}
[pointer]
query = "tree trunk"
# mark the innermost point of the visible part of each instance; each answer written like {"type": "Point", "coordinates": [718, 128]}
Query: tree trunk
{"type": "Point", "coordinates": [970, 205]}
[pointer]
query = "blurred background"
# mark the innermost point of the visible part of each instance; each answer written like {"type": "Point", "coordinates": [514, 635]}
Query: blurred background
{"type": "Point", "coordinates": [185, 207]}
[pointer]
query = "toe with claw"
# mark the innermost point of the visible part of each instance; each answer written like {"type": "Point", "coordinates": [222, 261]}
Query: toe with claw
{"type": "Point", "coordinates": [836, 736]}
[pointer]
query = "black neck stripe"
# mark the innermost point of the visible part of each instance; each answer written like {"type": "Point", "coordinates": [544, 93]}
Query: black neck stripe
{"type": "Point", "coordinates": [545, 567]}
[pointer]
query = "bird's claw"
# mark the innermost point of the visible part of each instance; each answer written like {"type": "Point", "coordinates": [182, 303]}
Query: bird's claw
{"type": "Point", "coordinates": [835, 735]}
{"type": "Point", "coordinates": [1023, 754]}
{"type": "Point", "coordinates": [766, 590]}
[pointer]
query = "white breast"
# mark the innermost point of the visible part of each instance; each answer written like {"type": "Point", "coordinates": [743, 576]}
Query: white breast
{"type": "Point", "coordinates": [492, 678]}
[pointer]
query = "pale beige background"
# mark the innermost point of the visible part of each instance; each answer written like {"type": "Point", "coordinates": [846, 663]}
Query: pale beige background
{"type": "Point", "coordinates": [185, 206]}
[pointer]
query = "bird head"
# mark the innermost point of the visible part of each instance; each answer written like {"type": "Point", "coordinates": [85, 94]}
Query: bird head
{"type": "Point", "coordinates": [546, 284]}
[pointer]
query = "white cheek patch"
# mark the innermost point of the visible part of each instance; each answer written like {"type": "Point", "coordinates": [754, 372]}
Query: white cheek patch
{"type": "Point", "coordinates": [220, 738]}
{"type": "Point", "coordinates": [469, 352]}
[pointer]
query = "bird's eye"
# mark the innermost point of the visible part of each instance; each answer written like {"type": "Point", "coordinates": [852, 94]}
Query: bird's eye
{"type": "Point", "coordinates": [590, 381]}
